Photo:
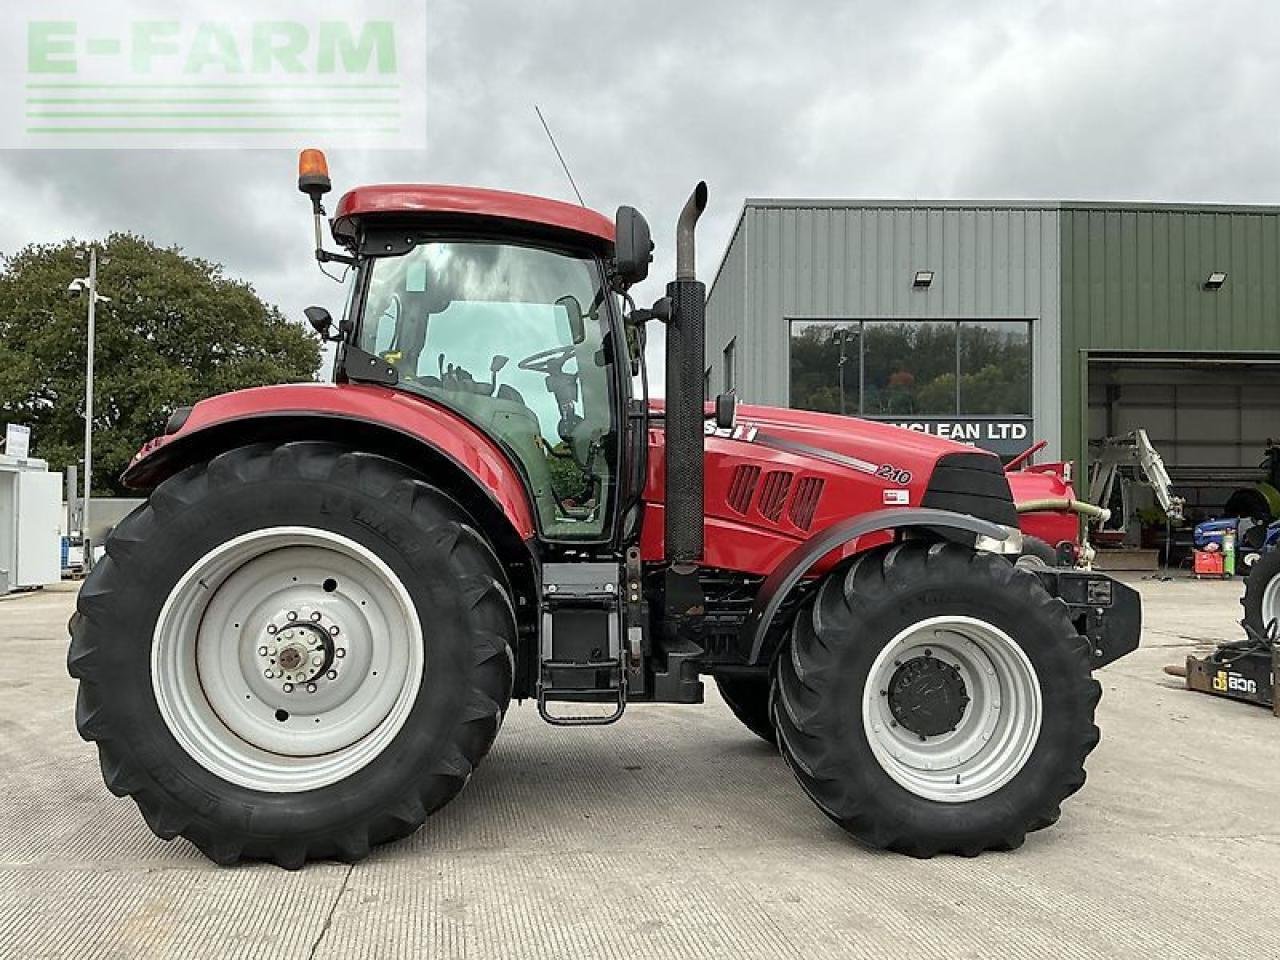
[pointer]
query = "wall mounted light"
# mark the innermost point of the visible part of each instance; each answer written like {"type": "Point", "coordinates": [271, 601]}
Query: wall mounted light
{"type": "Point", "coordinates": [922, 279]}
{"type": "Point", "coordinates": [1216, 280]}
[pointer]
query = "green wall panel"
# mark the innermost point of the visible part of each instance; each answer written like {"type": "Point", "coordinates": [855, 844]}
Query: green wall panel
{"type": "Point", "coordinates": [1133, 279]}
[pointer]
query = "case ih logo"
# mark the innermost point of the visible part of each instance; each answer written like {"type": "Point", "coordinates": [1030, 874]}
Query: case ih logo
{"type": "Point", "coordinates": [78, 74]}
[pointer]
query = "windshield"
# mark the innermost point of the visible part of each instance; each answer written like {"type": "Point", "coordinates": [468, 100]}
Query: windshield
{"type": "Point", "coordinates": [512, 338]}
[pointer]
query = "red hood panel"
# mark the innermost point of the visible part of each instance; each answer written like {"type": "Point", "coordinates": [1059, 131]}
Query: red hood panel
{"type": "Point", "coordinates": [850, 436]}
{"type": "Point", "coordinates": [779, 476]}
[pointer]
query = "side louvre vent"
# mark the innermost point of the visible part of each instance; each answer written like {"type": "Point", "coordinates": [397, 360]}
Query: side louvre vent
{"type": "Point", "coordinates": [773, 493]}
{"type": "Point", "coordinates": [742, 487]}
{"type": "Point", "coordinates": [804, 502]}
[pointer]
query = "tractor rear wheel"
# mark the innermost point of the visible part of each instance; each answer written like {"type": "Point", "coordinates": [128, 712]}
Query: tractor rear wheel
{"type": "Point", "coordinates": [747, 695]}
{"type": "Point", "coordinates": [292, 652]}
{"type": "Point", "coordinates": [1261, 598]}
{"type": "Point", "coordinates": [936, 700]}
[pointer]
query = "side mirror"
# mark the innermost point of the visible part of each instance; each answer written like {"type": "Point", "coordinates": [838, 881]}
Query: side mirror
{"type": "Point", "coordinates": [577, 326]}
{"type": "Point", "coordinates": [320, 321]}
{"type": "Point", "coordinates": [497, 363]}
{"type": "Point", "coordinates": [726, 410]}
{"type": "Point", "coordinates": [633, 246]}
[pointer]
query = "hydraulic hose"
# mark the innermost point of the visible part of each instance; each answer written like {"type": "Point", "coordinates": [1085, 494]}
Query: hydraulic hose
{"type": "Point", "coordinates": [1065, 503]}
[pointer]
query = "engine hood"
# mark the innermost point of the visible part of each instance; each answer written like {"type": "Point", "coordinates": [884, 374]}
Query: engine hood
{"type": "Point", "coordinates": [849, 437]}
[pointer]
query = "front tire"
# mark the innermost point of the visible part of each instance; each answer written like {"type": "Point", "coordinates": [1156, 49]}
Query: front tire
{"type": "Point", "coordinates": [936, 700]}
{"type": "Point", "coordinates": [292, 652]}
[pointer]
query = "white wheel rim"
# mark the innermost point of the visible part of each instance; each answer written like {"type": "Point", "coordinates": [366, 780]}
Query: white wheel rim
{"type": "Point", "coordinates": [287, 659]}
{"type": "Point", "coordinates": [994, 736]}
{"type": "Point", "coordinates": [1270, 605]}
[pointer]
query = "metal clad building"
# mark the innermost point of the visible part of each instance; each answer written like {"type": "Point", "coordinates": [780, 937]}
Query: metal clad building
{"type": "Point", "coordinates": [1001, 323]}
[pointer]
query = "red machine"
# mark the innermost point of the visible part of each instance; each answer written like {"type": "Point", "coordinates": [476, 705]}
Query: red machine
{"type": "Point", "coordinates": [308, 637]}
{"type": "Point", "coordinates": [1049, 514]}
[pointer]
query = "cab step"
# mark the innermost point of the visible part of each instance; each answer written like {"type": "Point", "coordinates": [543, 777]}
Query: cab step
{"type": "Point", "coordinates": [581, 657]}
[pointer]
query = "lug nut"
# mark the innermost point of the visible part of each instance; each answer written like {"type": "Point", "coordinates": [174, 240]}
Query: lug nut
{"type": "Point", "coordinates": [311, 688]}
{"type": "Point", "coordinates": [269, 674]}
{"type": "Point", "coordinates": [288, 688]}
{"type": "Point", "coordinates": [262, 651]}
{"type": "Point", "coordinates": [293, 615]}
{"type": "Point", "coordinates": [340, 652]}
{"type": "Point", "coordinates": [315, 615]}
{"type": "Point", "coordinates": [332, 674]}
{"type": "Point", "coordinates": [271, 628]}
{"type": "Point", "coordinates": [334, 630]}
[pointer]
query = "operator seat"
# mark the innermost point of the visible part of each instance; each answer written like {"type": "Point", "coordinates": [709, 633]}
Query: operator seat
{"type": "Point", "coordinates": [507, 417]}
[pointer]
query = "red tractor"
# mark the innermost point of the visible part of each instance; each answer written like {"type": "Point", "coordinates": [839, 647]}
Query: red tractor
{"type": "Point", "coordinates": [307, 638]}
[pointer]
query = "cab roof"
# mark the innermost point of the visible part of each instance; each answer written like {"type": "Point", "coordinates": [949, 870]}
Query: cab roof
{"type": "Point", "coordinates": [407, 199]}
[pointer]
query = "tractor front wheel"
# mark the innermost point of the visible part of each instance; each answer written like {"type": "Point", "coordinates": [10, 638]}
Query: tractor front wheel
{"type": "Point", "coordinates": [936, 700]}
{"type": "Point", "coordinates": [292, 652]}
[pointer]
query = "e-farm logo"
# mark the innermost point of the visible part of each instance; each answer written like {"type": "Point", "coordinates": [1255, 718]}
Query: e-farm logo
{"type": "Point", "coordinates": [238, 74]}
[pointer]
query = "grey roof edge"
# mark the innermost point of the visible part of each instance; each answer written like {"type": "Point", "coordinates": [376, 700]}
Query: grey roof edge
{"type": "Point", "coordinates": [738, 226]}
{"type": "Point", "coordinates": [787, 203]}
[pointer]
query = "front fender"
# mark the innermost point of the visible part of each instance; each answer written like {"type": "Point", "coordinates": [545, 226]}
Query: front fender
{"type": "Point", "coordinates": [392, 422]}
{"type": "Point", "coordinates": [755, 630]}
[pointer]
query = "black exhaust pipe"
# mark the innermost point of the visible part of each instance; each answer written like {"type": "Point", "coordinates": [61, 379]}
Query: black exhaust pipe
{"type": "Point", "coordinates": [686, 361]}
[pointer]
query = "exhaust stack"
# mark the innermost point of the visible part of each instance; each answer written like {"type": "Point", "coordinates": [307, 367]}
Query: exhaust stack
{"type": "Point", "coordinates": [686, 361]}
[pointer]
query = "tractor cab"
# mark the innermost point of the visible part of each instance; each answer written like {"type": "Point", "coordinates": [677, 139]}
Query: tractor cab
{"type": "Point", "coordinates": [518, 340]}
{"type": "Point", "coordinates": [502, 308]}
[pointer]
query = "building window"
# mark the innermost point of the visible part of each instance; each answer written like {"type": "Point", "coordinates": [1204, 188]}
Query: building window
{"type": "Point", "coordinates": [729, 377]}
{"type": "Point", "coordinates": [889, 369]}
{"type": "Point", "coordinates": [995, 367]}
{"type": "Point", "coordinates": [908, 368]}
{"type": "Point", "coordinates": [825, 364]}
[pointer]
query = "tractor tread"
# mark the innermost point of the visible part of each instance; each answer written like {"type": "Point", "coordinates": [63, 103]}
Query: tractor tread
{"type": "Point", "coordinates": [105, 651]}
{"type": "Point", "coordinates": [846, 782]}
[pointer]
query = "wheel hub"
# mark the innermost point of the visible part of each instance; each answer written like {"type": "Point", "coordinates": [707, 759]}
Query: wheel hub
{"type": "Point", "coordinates": [927, 696]}
{"type": "Point", "coordinates": [300, 651]}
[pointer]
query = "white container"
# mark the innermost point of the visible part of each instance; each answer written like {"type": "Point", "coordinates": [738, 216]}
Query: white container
{"type": "Point", "coordinates": [30, 516]}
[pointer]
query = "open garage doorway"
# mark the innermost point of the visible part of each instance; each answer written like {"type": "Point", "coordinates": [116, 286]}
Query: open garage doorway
{"type": "Point", "coordinates": [1210, 417]}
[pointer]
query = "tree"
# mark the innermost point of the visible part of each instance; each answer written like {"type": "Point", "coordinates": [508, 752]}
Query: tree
{"type": "Point", "coordinates": [176, 331]}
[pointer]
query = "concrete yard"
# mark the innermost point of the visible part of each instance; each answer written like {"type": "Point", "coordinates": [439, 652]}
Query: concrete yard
{"type": "Point", "coordinates": [673, 834]}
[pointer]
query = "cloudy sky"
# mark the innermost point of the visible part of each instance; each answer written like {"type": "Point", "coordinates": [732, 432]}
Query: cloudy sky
{"type": "Point", "coordinates": [1019, 99]}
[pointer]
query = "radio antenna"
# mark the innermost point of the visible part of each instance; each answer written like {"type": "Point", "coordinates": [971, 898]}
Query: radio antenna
{"type": "Point", "coordinates": [559, 155]}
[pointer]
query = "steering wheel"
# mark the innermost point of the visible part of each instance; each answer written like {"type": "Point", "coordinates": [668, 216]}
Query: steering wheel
{"type": "Point", "coordinates": [547, 361]}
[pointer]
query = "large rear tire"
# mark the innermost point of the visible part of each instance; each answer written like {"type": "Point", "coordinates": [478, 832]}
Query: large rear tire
{"type": "Point", "coordinates": [747, 696]}
{"type": "Point", "coordinates": [1261, 598]}
{"type": "Point", "coordinates": [291, 653]}
{"type": "Point", "coordinates": [936, 700]}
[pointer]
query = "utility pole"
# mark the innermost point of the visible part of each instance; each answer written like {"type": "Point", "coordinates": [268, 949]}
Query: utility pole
{"type": "Point", "coordinates": [88, 407]}
{"type": "Point", "coordinates": [78, 287]}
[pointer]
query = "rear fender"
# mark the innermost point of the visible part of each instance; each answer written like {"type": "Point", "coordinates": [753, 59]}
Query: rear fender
{"type": "Point", "coordinates": [757, 636]}
{"type": "Point", "coordinates": [445, 449]}
{"type": "Point", "coordinates": [419, 433]}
